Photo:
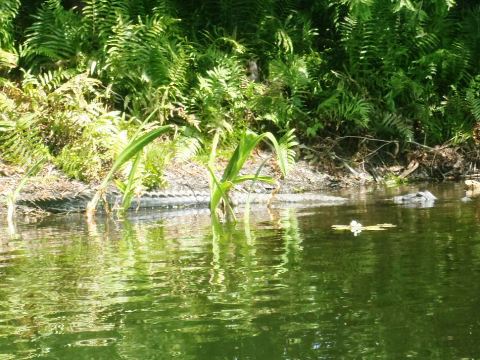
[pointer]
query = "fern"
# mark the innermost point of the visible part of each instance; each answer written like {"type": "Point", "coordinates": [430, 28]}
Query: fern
{"type": "Point", "coordinates": [218, 97]}
{"type": "Point", "coordinates": [20, 136]}
{"type": "Point", "coordinates": [469, 33]}
{"type": "Point", "coordinates": [285, 101]}
{"type": "Point", "coordinates": [144, 8]}
{"type": "Point", "coordinates": [280, 37]}
{"type": "Point", "coordinates": [187, 147]}
{"type": "Point", "coordinates": [286, 150]}
{"type": "Point", "coordinates": [20, 139]}
{"type": "Point", "coordinates": [101, 17]}
{"type": "Point", "coordinates": [345, 106]}
{"type": "Point", "coordinates": [55, 35]}
{"type": "Point", "coordinates": [61, 115]}
{"type": "Point", "coordinates": [8, 11]}
{"type": "Point", "coordinates": [354, 108]}
{"type": "Point", "coordinates": [473, 98]}
{"type": "Point", "coordinates": [395, 126]}
{"type": "Point", "coordinates": [148, 62]}
{"type": "Point", "coordinates": [46, 81]}
{"type": "Point", "coordinates": [87, 156]}
{"type": "Point", "coordinates": [8, 60]}
{"type": "Point", "coordinates": [474, 105]}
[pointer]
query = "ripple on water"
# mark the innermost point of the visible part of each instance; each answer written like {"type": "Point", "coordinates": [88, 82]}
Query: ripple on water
{"type": "Point", "coordinates": [286, 287]}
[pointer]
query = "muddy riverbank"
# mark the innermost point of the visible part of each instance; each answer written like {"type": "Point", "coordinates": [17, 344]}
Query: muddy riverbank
{"type": "Point", "coordinates": [314, 172]}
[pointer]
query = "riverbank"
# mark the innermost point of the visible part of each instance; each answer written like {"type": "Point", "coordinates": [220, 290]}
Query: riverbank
{"type": "Point", "coordinates": [316, 171]}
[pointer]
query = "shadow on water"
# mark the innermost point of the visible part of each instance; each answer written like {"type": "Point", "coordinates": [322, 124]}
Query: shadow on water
{"type": "Point", "coordinates": [283, 286]}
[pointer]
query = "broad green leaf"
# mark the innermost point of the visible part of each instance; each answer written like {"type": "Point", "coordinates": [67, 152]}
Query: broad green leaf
{"type": "Point", "coordinates": [133, 148]}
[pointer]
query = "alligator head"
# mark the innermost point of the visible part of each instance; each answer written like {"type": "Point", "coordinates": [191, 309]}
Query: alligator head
{"type": "Point", "coordinates": [418, 199]}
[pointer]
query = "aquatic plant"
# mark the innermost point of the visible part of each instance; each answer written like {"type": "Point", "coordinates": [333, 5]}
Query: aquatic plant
{"type": "Point", "coordinates": [249, 140]}
{"type": "Point", "coordinates": [133, 149]}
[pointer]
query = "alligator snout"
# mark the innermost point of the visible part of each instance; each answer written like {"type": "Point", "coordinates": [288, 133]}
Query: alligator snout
{"type": "Point", "coordinates": [419, 198]}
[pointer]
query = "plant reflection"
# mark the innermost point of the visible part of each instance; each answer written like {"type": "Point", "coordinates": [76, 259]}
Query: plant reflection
{"type": "Point", "coordinates": [283, 285]}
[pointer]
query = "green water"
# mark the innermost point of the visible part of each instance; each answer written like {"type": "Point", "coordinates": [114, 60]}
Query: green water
{"type": "Point", "coordinates": [286, 287]}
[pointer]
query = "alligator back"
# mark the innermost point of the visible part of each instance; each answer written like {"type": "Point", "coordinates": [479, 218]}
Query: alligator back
{"type": "Point", "coordinates": [165, 199]}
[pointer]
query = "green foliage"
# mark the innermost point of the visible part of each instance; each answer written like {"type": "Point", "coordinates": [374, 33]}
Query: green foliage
{"type": "Point", "coordinates": [160, 153]}
{"type": "Point", "coordinates": [99, 140]}
{"type": "Point", "coordinates": [148, 63]}
{"type": "Point", "coordinates": [473, 98]}
{"type": "Point", "coordinates": [100, 16]}
{"type": "Point", "coordinates": [8, 60]}
{"type": "Point", "coordinates": [396, 126]}
{"type": "Point", "coordinates": [55, 36]}
{"type": "Point", "coordinates": [57, 114]}
{"type": "Point", "coordinates": [8, 11]}
{"type": "Point", "coordinates": [402, 70]}
{"type": "Point", "coordinates": [219, 99]}
{"type": "Point", "coordinates": [133, 149]}
{"type": "Point", "coordinates": [345, 109]}
{"type": "Point", "coordinates": [249, 140]}
{"type": "Point", "coordinates": [20, 136]}
{"type": "Point", "coordinates": [288, 92]}
{"type": "Point", "coordinates": [408, 62]}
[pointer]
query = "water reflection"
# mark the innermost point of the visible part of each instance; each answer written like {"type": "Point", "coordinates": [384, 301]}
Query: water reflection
{"type": "Point", "coordinates": [283, 285]}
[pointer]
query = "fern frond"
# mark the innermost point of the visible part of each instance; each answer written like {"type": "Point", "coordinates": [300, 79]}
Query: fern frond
{"type": "Point", "coordinates": [187, 147]}
{"type": "Point", "coordinates": [55, 35]}
{"type": "Point", "coordinates": [346, 106]}
{"type": "Point", "coordinates": [20, 139]}
{"type": "Point", "coordinates": [53, 79]}
{"type": "Point", "coordinates": [147, 63]}
{"type": "Point", "coordinates": [396, 126]}
{"type": "Point", "coordinates": [426, 42]}
{"type": "Point", "coordinates": [99, 141]}
{"type": "Point", "coordinates": [8, 11]}
{"type": "Point", "coordinates": [101, 16]}
{"type": "Point", "coordinates": [286, 150]}
{"type": "Point", "coordinates": [8, 60]}
{"type": "Point", "coordinates": [473, 103]}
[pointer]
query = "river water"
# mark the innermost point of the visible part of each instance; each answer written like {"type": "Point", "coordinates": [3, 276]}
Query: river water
{"type": "Point", "coordinates": [283, 285]}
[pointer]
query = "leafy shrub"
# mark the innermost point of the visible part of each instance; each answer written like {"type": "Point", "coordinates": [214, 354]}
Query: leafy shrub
{"type": "Point", "coordinates": [65, 118]}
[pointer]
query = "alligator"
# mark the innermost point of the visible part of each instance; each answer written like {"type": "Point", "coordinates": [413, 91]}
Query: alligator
{"type": "Point", "coordinates": [170, 199]}
{"type": "Point", "coordinates": [201, 199]}
{"type": "Point", "coordinates": [416, 199]}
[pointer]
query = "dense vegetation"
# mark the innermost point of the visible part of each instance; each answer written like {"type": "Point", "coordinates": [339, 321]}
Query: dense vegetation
{"type": "Point", "coordinates": [79, 77]}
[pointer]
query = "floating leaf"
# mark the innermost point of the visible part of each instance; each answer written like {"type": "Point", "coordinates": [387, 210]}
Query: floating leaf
{"type": "Point", "coordinates": [357, 228]}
